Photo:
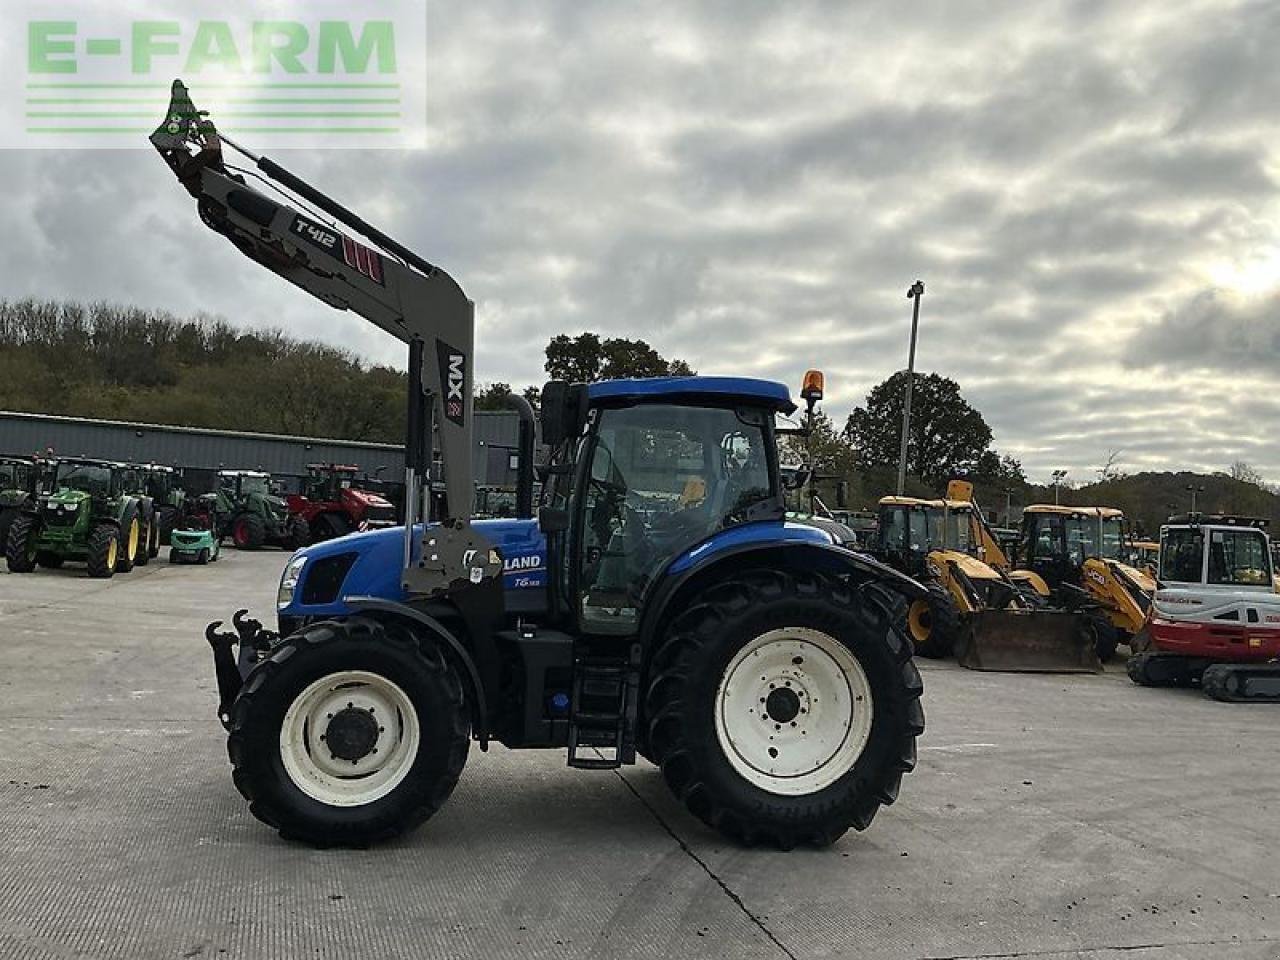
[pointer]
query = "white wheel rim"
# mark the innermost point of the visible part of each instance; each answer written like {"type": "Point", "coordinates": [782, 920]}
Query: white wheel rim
{"type": "Point", "coordinates": [826, 688]}
{"type": "Point", "coordinates": [334, 780]}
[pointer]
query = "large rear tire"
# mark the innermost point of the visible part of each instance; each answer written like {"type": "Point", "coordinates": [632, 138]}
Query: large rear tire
{"type": "Point", "coordinates": [1106, 638]}
{"type": "Point", "coordinates": [784, 708]}
{"type": "Point", "coordinates": [248, 532]}
{"type": "Point", "coordinates": [168, 519]}
{"type": "Point", "coordinates": [147, 520]}
{"type": "Point", "coordinates": [390, 701]}
{"type": "Point", "coordinates": [933, 624]}
{"type": "Point", "coordinates": [20, 550]}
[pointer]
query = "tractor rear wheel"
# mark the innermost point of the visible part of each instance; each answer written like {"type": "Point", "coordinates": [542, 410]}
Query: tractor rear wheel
{"type": "Point", "coordinates": [784, 708]}
{"type": "Point", "coordinates": [104, 551]}
{"type": "Point", "coordinates": [147, 520]}
{"type": "Point", "coordinates": [299, 533]}
{"type": "Point", "coordinates": [349, 733]}
{"type": "Point", "coordinates": [167, 519]}
{"type": "Point", "coordinates": [153, 533]}
{"type": "Point", "coordinates": [20, 550]}
{"type": "Point", "coordinates": [248, 532]}
{"type": "Point", "coordinates": [933, 623]}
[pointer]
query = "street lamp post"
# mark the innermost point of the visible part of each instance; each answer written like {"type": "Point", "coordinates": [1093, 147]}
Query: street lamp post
{"type": "Point", "coordinates": [914, 293]}
{"type": "Point", "coordinates": [1058, 477]}
{"type": "Point", "coordinates": [1193, 489]}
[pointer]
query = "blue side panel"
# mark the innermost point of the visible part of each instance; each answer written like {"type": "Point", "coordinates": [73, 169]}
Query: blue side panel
{"type": "Point", "coordinates": [376, 571]}
{"type": "Point", "coordinates": [767, 532]}
{"type": "Point", "coordinates": [746, 389]}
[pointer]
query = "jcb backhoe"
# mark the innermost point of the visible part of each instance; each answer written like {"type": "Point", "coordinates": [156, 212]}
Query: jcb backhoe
{"type": "Point", "coordinates": [1078, 552]}
{"type": "Point", "coordinates": [973, 609]}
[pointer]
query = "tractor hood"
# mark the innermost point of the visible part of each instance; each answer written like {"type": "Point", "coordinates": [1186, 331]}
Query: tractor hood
{"type": "Point", "coordinates": [365, 498]}
{"type": "Point", "coordinates": [971, 567]}
{"type": "Point", "coordinates": [66, 496]}
{"type": "Point", "coordinates": [376, 556]}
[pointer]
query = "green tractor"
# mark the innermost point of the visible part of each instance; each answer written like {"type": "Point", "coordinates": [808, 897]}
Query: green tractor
{"type": "Point", "coordinates": [88, 515]}
{"type": "Point", "coordinates": [19, 485]}
{"type": "Point", "coordinates": [248, 510]}
{"type": "Point", "coordinates": [164, 486]}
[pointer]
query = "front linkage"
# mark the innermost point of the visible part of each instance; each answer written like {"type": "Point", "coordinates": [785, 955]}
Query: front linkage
{"type": "Point", "coordinates": [232, 669]}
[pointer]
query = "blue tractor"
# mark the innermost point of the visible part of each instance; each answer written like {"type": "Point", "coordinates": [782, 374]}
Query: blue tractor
{"type": "Point", "coordinates": [659, 605]}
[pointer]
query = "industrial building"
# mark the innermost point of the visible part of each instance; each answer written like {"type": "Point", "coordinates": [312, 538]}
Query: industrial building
{"type": "Point", "coordinates": [205, 449]}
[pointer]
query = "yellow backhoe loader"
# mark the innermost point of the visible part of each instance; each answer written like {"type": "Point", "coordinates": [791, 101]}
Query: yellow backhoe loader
{"type": "Point", "coordinates": [974, 609]}
{"type": "Point", "coordinates": [1079, 554]}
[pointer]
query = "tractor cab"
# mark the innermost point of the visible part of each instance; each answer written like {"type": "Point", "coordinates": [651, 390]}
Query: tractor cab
{"type": "Point", "coordinates": [646, 469]}
{"type": "Point", "coordinates": [326, 481]}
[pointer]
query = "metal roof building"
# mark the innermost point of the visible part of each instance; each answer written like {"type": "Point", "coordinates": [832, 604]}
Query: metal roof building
{"type": "Point", "coordinates": [495, 432]}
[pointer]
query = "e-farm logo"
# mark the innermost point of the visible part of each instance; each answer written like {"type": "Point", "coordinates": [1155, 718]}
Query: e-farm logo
{"type": "Point", "coordinates": [272, 73]}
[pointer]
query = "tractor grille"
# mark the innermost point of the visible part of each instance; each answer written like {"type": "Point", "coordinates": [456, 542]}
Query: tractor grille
{"type": "Point", "coordinates": [322, 581]}
{"type": "Point", "coordinates": [56, 516]}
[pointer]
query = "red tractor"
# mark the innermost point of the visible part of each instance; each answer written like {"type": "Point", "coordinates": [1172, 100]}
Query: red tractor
{"type": "Point", "coordinates": [334, 506]}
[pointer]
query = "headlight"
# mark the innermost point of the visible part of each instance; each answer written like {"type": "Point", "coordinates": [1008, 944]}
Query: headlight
{"type": "Point", "coordinates": [288, 582]}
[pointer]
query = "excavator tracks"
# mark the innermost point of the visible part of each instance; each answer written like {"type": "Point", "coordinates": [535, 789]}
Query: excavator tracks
{"type": "Point", "coordinates": [1242, 683]}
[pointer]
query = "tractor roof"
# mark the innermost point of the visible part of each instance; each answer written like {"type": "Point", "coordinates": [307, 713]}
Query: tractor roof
{"type": "Point", "coordinates": [1106, 513]}
{"type": "Point", "coordinates": [911, 502]}
{"type": "Point", "coordinates": [243, 473]}
{"type": "Point", "coordinates": [714, 391]}
{"type": "Point", "coordinates": [94, 462]}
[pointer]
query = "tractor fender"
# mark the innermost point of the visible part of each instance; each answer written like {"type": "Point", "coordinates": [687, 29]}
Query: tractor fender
{"type": "Point", "coordinates": [681, 579]}
{"type": "Point", "coordinates": [392, 608]}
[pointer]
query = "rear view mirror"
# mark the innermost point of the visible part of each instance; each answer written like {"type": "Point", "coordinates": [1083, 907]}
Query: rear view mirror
{"type": "Point", "coordinates": [563, 410]}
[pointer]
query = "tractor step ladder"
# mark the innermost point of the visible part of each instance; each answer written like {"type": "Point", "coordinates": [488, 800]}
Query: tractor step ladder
{"type": "Point", "coordinates": [602, 714]}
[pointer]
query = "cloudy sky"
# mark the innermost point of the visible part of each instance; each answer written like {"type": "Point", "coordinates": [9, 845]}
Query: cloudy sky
{"type": "Point", "coordinates": [1088, 190]}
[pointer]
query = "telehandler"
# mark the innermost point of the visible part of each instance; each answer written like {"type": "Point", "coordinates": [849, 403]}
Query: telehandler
{"type": "Point", "coordinates": [660, 605]}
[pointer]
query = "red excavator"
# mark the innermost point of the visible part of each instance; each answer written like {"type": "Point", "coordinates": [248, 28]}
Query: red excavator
{"type": "Point", "coordinates": [1216, 618]}
{"type": "Point", "coordinates": [333, 504]}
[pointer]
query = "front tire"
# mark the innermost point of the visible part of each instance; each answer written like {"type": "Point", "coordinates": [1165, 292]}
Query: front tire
{"type": "Point", "coordinates": [392, 703]}
{"type": "Point", "coordinates": [129, 539]}
{"type": "Point", "coordinates": [20, 550]}
{"type": "Point", "coordinates": [842, 736]}
{"type": "Point", "coordinates": [248, 532]}
{"type": "Point", "coordinates": [933, 623]}
{"type": "Point", "coordinates": [104, 551]}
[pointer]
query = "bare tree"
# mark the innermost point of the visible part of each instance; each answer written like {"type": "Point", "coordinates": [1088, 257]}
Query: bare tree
{"type": "Point", "coordinates": [1245, 473]}
{"type": "Point", "coordinates": [1110, 469]}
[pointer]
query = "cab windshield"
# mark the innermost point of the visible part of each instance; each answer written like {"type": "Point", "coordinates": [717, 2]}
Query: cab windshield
{"type": "Point", "coordinates": [958, 530]}
{"type": "Point", "coordinates": [90, 478]}
{"type": "Point", "coordinates": [251, 485]}
{"type": "Point", "coordinates": [10, 478]}
{"type": "Point", "coordinates": [1082, 538]}
{"type": "Point", "coordinates": [1239, 557]}
{"type": "Point", "coordinates": [1112, 546]}
{"type": "Point", "coordinates": [1181, 555]}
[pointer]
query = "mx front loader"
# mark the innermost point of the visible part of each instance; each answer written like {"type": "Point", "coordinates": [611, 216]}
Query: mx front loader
{"type": "Point", "coordinates": [660, 606]}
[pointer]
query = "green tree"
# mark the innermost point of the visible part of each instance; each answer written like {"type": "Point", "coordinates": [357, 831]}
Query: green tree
{"type": "Point", "coordinates": [948, 436]}
{"type": "Point", "coordinates": [586, 358]}
{"type": "Point", "coordinates": [492, 396]}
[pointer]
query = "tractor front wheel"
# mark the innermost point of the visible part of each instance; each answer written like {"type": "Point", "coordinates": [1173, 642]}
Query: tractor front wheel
{"type": "Point", "coordinates": [128, 540]}
{"type": "Point", "coordinates": [349, 733]}
{"type": "Point", "coordinates": [248, 532]}
{"type": "Point", "coordinates": [20, 550]}
{"type": "Point", "coordinates": [1105, 636]}
{"type": "Point", "coordinates": [933, 623]}
{"type": "Point", "coordinates": [783, 708]}
{"type": "Point", "coordinates": [104, 551]}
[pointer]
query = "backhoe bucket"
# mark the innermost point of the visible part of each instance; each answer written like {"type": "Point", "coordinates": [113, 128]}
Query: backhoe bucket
{"type": "Point", "coordinates": [1030, 641]}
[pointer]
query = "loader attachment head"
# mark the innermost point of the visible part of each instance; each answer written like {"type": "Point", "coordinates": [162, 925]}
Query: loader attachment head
{"type": "Point", "coordinates": [187, 139]}
{"type": "Point", "coordinates": [1030, 641]}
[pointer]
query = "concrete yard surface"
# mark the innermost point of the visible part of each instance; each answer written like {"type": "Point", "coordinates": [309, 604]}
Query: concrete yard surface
{"type": "Point", "coordinates": [1050, 817]}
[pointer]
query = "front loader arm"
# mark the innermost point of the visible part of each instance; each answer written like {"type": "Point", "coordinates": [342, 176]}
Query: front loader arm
{"type": "Point", "coordinates": [391, 287]}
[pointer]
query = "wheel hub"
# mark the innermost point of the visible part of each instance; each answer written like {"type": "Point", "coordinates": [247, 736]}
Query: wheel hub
{"type": "Point", "coordinates": [793, 711]}
{"type": "Point", "coordinates": [352, 734]}
{"type": "Point", "coordinates": [782, 705]}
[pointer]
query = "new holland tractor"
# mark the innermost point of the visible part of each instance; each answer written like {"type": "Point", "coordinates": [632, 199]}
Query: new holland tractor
{"type": "Point", "coordinates": [1079, 554]}
{"type": "Point", "coordinates": [1216, 618]}
{"type": "Point", "coordinates": [973, 609]}
{"type": "Point", "coordinates": [753, 659]}
{"type": "Point", "coordinates": [88, 515]}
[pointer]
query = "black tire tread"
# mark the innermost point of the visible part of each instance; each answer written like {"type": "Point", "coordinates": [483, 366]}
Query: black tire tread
{"type": "Point", "coordinates": [878, 608]}
{"type": "Point", "coordinates": [24, 526]}
{"type": "Point", "coordinates": [945, 626]}
{"type": "Point", "coordinates": [355, 630]}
